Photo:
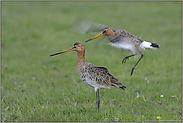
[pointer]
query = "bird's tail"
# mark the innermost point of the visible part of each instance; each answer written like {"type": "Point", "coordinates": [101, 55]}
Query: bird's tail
{"type": "Point", "coordinates": [123, 87]}
{"type": "Point", "coordinates": [118, 85]}
{"type": "Point", "coordinates": [150, 45]}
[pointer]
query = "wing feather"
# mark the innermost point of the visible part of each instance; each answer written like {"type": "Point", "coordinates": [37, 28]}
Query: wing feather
{"type": "Point", "coordinates": [103, 77]}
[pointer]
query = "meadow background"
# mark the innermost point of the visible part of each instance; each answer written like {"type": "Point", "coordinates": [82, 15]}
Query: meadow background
{"type": "Point", "coordinates": [37, 87]}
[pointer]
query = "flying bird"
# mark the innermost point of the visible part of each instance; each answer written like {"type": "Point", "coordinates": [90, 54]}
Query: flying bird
{"type": "Point", "coordinates": [125, 40]}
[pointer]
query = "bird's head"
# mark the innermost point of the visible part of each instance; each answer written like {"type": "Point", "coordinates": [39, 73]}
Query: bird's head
{"type": "Point", "coordinates": [76, 47]}
{"type": "Point", "coordinates": [107, 32]}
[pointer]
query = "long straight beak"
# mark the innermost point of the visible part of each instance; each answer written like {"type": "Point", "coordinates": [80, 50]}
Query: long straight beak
{"type": "Point", "coordinates": [101, 34]}
{"type": "Point", "coordinates": [62, 52]}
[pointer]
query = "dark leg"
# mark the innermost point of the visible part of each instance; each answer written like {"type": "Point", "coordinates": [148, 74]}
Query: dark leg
{"type": "Point", "coordinates": [127, 57]}
{"type": "Point", "coordinates": [136, 64]}
{"type": "Point", "coordinates": [98, 101]}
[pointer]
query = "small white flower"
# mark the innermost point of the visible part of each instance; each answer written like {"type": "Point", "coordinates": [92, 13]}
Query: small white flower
{"type": "Point", "coordinates": [147, 80]}
{"type": "Point", "coordinates": [161, 95]}
{"type": "Point", "coordinates": [175, 97]}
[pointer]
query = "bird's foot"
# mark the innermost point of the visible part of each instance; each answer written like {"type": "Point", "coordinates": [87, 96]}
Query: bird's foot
{"type": "Point", "coordinates": [124, 60]}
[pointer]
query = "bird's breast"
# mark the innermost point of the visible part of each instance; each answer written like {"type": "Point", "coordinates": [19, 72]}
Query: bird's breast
{"type": "Point", "coordinates": [86, 77]}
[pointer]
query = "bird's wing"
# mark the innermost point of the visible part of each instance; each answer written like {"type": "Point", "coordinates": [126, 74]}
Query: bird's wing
{"type": "Point", "coordinates": [123, 42]}
{"type": "Point", "coordinates": [102, 76]}
{"type": "Point", "coordinates": [121, 38]}
{"type": "Point", "coordinates": [87, 27]}
{"type": "Point", "coordinates": [102, 68]}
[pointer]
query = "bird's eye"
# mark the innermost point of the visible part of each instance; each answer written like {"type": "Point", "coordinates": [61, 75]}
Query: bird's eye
{"type": "Point", "coordinates": [74, 46]}
{"type": "Point", "coordinates": [105, 31]}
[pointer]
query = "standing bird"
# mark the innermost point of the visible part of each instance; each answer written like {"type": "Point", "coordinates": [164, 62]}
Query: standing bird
{"type": "Point", "coordinates": [125, 40]}
{"type": "Point", "coordinates": [94, 76]}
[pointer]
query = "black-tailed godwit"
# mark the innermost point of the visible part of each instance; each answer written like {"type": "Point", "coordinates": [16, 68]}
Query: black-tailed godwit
{"type": "Point", "coordinates": [94, 76]}
{"type": "Point", "coordinates": [125, 40]}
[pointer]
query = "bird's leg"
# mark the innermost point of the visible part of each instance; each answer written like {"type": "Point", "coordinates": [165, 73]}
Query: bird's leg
{"type": "Point", "coordinates": [136, 64]}
{"type": "Point", "coordinates": [98, 101]}
{"type": "Point", "coordinates": [127, 57]}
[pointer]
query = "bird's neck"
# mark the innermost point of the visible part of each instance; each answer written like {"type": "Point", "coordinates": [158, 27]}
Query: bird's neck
{"type": "Point", "coordinates": [81, 58]}
{"type": "Point", "coordinates": [112, 35]}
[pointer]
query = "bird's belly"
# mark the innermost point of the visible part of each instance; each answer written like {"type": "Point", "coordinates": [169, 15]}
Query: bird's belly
{"type": "Point", "coordinates": [122, 45]}
{"type": "Point", "coordinates": [89, 82]}
{"type": "Point", "coordinates": [126, 46]}
{"type": "Point", "coordinates": [93, 83]}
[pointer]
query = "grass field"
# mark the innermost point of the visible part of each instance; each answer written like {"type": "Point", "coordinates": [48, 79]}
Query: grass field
{"type": "Point", "coordinates": [37, 87]}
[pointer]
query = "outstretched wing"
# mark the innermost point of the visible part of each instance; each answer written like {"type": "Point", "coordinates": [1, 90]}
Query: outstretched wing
{"type": "Point", "coordinates": [87, 27]}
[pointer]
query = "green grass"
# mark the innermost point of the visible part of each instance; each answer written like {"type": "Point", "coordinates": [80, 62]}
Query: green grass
{"type": "Point", "coordinates": [37, 87]}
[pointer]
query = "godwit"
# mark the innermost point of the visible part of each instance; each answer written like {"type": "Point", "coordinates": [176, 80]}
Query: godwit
{"type": "Point", "coordinates": [97, 77]}
{"type": "Point", "coordinates": [125, 40]}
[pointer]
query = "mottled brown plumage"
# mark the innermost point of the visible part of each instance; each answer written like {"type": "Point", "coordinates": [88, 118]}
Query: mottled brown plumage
{"type": "Point", "coordinates": [97, 77]}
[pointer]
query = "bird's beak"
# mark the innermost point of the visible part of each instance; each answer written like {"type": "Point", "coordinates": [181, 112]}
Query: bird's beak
{"type": "Point", "coordinates": [101, 34]}
{"type": "Point", "coordinates": [62, 52]}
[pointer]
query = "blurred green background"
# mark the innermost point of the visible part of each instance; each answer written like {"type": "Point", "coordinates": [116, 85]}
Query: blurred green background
{"type": "Point", "coordinates": [37, 87]}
